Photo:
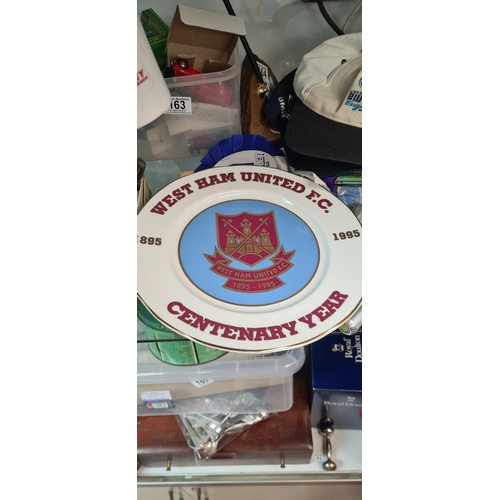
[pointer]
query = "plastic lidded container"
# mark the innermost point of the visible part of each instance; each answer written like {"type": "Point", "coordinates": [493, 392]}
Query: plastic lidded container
{"type": "Point", "coordinates": [216, 386]}
{"type": "Point", "coordinates": [205, 109]}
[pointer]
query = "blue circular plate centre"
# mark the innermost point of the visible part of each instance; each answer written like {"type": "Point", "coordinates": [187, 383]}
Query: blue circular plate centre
{"type": "Point", "coordinates": [248, 253]}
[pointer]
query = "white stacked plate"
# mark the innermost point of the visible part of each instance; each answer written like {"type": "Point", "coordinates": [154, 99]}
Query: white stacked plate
{"type": "Point", "coordinates": [247, 258]}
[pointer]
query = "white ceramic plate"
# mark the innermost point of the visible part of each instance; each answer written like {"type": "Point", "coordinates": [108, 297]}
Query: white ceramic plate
{"type": "Point", "coordinates": [248, 258]}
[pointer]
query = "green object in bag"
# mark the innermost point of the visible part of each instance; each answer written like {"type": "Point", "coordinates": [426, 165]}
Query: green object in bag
{"type": "Point", "coordinates": [174, 348]}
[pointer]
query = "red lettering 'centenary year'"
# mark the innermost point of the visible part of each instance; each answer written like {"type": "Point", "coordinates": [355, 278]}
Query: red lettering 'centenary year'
{"type": "Point", "coordinates": [229, 331]}
{"type": "Point", "coordinates": [256, 334]}
{"type": "Point", "coordinates": [325, 310]}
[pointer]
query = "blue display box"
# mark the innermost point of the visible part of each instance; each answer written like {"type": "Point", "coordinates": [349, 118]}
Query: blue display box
{"type": "Point", "coordinates": [336, 380]}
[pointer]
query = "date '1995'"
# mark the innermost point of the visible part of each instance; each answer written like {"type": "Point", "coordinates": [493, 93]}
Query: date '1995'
{"type": "Point", "coordinates": [346, 235]}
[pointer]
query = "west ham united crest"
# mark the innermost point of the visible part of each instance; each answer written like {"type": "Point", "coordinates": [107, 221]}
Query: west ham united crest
{"type": "Point", "coordinates": [248, 258]}
{"type": "Point", "coordinates": [249, 239]}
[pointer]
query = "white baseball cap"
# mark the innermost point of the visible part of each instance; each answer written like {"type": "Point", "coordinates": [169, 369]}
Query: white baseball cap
{"type": "Point", "coordinates": [326, 121]}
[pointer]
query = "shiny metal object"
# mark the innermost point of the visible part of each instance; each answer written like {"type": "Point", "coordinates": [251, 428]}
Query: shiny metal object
{"type": "Point", "coordinates": [205, 432]}
{"type": "Point", "coordinates": [326, 429]}
{"type": "Point", "coordinates": [262, 89]}
{"type": "Point", "coordinates": [210, 446]}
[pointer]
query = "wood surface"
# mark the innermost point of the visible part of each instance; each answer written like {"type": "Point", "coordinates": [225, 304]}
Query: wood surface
{"type": "Point", "coordinates": [283, 436]}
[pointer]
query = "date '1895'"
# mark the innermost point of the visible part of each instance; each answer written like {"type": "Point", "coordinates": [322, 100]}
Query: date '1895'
{"type": "Point", "coordinates": [149, 240]}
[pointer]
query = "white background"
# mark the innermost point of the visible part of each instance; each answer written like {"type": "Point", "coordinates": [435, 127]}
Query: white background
{"type": "Point", "coordinates": [430, 248]}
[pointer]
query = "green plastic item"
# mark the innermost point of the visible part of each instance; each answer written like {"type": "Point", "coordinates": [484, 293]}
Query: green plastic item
{"type": "Point", "coordinates": [176, 349]}
{"type": "Point", "coordinates": [354, 178]}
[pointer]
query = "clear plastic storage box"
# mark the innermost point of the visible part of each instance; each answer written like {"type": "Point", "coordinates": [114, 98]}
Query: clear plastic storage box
{"type": "Point", "coordinates": [220, 386]}
{"type": "Point", "coordinates": [205, 109]}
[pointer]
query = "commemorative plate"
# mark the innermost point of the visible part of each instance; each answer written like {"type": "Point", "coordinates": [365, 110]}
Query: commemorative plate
{"type": "Point", "coordinates": [247, 258]}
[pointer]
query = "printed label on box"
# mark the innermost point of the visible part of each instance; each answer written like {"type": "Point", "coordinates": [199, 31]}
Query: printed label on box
{"type": "Point", "coordinates": [266, 77]}
{"type": "Point", "coordinates": [261, 159]}
{"type": "Point", "coordinates": [179, 106]}
{"type": "Point", "coordinates": [201, 383]}
{"type": "Point", "coordinates": [157, 399]}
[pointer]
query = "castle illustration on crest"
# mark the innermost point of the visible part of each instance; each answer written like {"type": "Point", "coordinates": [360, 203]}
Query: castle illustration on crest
{"type": "Point", "coordinates": [254, 243]}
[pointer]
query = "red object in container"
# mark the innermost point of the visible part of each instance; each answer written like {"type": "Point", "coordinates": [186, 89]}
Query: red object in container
{"type": "Point", "coordinates": [211, 93]}
{"type": "Point", "coordinates": [181, 68]}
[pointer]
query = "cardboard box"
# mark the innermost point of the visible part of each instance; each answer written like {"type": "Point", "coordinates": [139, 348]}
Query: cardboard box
{"type": "Point", "coordinates": [336, 379]}
{"type": "Point", "coordinates": [206, 107]}
{"type": "Point", "coordinates": [204, 38]}
{"type": "Point", "coordinates": [157, 33]}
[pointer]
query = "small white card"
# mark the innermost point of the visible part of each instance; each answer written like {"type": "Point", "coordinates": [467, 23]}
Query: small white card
{"type": "Point", "coordinates": [157, 399]}
{"type": "Point", "coordinates": [266, 76]}
{"type": "Point", "coordinates": [201, 383]}
{"type": "Point", "coordinates": [179, 106]}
